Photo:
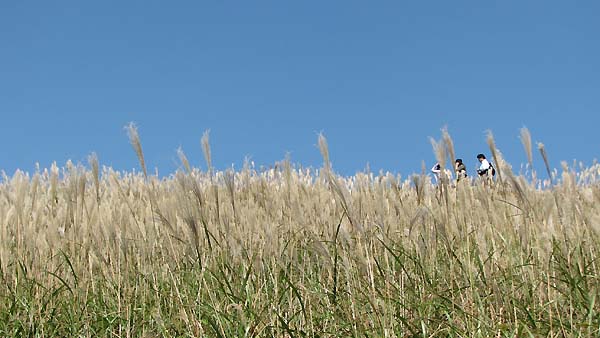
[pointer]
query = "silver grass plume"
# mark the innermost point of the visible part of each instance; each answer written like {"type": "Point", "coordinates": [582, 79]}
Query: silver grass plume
{"type": "Point", "coordinates": [206, 149]}
{"type": "Point", "coordinates": [542, 150]}
{"type": "Point", "coordinates": [134, 139]}
{"type": "Point", "coordinates": [54, 183]}
{"type": "Point", "coordinates": [335, 186]}
{"type": "Point", "coordinates": [81, 193]}
{"type": "Point", "coordinates": [184, 160]}
{"type": "Point", "coordinates": [449, 144]}
{"type": "Point", "coordinates": [324, 149]}
{"type": "Point", "coordinates": [207, 156]}
{"type": "Point", "coordinates": [230, 184]}
{"type": "Point", "coordinates": [93, 162]}
{"type": "Point", "coordinates": [492, 144]}
{"type": "Point", "coordinates": [526, 140]}
{"type": "Point", "coordinates": [439, 151]}
{"type": "Point", "coordinates": [34, 188]}
{"type": "Point", "coordinates": [287, 172]}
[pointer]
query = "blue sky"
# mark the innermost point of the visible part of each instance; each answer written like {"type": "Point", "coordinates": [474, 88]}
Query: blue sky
{"type": "Point", "coordinates": [377, 78]}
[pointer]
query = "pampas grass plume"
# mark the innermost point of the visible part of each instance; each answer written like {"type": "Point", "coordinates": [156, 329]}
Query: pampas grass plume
{"type": "Point", "coordinates": [134, 139]}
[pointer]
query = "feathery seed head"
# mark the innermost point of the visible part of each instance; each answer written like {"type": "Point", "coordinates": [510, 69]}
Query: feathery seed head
{"type": "Point", "coordinates": [448, 143]}
{"type": "Point", "coordinates": [134, 139]}
{"type": "Point", "coordinates": [526, 140]}
{"type": "Point", "coordinates": [324, 148]}
{"type": "Point", "coordinates": [206, 149]}
{"type": "Point", "coordinates": [184, 160]}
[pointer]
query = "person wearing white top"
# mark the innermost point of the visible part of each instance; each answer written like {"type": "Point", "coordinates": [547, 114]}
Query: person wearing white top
{"type": "Point", "coordinates": [438, 171]}
{"type": "Point", "coordinates": [484, 166]}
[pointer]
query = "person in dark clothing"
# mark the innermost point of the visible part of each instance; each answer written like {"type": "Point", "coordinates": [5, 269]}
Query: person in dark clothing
{"type": "Point", "coordinates": [460, 169]}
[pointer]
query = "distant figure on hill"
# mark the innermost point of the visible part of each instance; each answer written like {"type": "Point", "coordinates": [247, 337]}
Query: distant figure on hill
{"type": "Point", "coordinates": [460, 169]}
{"type": "Point", "coordinates": [485, 167]}
{"type": "Point", "coordinates": [438, 172]}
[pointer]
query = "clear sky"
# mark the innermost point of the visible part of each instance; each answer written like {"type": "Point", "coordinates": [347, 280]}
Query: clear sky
{"type": "Point", "coordinates": [377, 78]}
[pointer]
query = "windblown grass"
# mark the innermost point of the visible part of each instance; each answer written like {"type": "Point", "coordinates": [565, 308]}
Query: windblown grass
{"type": "Point", "coordinates": [289, 252]}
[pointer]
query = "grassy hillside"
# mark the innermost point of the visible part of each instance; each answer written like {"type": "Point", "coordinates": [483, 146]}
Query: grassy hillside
{"type": "Point", "coordinates": [289, 252]}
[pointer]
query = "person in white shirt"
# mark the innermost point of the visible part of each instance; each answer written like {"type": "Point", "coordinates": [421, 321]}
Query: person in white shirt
{"type": "Point", "coordinates": [438, 171]}
{"type": "Point", "coordinates": [485, 166]}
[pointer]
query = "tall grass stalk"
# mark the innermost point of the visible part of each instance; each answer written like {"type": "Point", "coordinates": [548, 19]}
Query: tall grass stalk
{"type": "Point", "coordinates": [526, 140]}
{"type": "Point", "coordinates": [205, 142]}
{"type": "Point", "coordinates": [542, 150]}
{"type": "Point", "coordinates": [492, 144]}
{"type": "Point", "coordinates": [134, 139]}
{"type": "Point", "coordinates": [449, 144]}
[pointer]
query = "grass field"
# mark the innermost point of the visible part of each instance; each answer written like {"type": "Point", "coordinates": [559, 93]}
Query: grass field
{"type": "Point", "coordinates": [293, 252]}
